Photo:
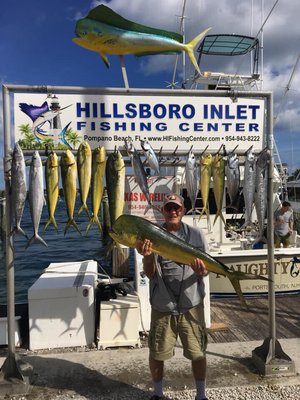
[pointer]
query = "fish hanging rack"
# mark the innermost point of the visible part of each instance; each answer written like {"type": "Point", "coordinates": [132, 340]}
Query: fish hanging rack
{"type": "Point", "coordinates": [166, 158]}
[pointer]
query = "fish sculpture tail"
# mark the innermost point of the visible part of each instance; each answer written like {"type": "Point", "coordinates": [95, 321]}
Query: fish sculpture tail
{"type": "Point", "coordinates": [93, 220]}
{"type": "Point", "coordinates": [204, 211]}
{"type": "Point", "coordinates": [236, 276]}
{"type": "Point", "coordinates": [51, 220]}
{"type": "Point", "coordinates": [69, 223]}
{"type": "Point", "coordinates": [189, 48]}
{"type": "Point", "coordinates": [36, 238]}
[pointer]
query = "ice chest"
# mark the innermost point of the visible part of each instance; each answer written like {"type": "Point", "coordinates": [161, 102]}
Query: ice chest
{"type": "Point", "coordinates": [119, 322]}
{"type": "Point", "coordinates": [61, 306]}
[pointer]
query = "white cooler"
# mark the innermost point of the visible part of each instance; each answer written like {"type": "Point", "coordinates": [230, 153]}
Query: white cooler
{"type": "Point", "coordinates": [119, 322]}
{"type": "Point", "coordinates": [61, 306]}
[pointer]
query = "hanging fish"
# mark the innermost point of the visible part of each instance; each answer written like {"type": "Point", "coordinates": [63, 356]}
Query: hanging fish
{"type": "Point", "coordinates": [18, 189]}
{"type": "Point", "coordinates": [84, 167]}
{"type": "Point", "coordinates": [260, 195]}
{"type": "Point", "coordinates": [52, 187]}
{"type": "Point", "coordinates": [97, 187]}
{"type": "Point", "coordinates": [69, 177]}
{"type": "Point", "coordinates": [139, 173]}
{"type": "Point", "coordinates": [106, 32]}
{"type": "Point", "coordinates": [232, 172]}
{"type": "Point", "coordinates": [36, 196]}
{"type": "Point", "coordinates": [192, 179]}
{"type": "Point", "coordinates": [115, 184]}
{"type": "Point", "coordinates": [218, 173]}
{"type": "Point", "coordinates": [150, 156]}
{"type": "Point", "coordinates": [205, 177]}
{"type": "Point", "coordinates": [249, 185]}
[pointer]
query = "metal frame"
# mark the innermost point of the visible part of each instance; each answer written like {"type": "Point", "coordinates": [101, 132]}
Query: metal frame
{"type": "Point", "coordinates": [10, 368]}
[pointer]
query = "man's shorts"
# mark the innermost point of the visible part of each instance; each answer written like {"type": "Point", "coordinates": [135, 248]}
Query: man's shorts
{"type": "Point", "coordinates": [165, 329]}
{"type": "Point", "coordinates": [285, 240]}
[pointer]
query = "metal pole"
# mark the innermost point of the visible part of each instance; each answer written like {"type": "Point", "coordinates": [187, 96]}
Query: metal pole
{"type": "Point", "coordinates": [10, 371]}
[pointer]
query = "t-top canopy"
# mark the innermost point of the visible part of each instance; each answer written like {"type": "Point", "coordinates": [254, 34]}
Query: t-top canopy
{"type": "Point", "coordinates": [227, 45]}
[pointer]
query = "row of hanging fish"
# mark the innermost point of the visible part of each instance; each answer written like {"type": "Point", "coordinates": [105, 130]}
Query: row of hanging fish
{"type": "Point", "coordinates": [90, 168]}
{"type": "Point", "coordinates": [226, 170]}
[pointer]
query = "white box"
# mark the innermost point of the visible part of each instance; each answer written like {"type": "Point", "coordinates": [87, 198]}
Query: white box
{"type": "Point", "coordinates": [61, 306]}
{"type": "Point", "coordinates": [119, 322]}
{"type": "Point", "coordinates": [4, 333]}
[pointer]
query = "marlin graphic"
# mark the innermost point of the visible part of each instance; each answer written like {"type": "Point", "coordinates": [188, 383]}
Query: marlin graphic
{"type": "Point", "coordinates": [106, 32]}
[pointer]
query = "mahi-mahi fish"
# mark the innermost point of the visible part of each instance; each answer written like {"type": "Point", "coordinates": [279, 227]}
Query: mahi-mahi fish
{"type": "Point", "coordinates": [36, 196]}
{"type": "Point", "coordinates": [52, 187]}
{"type": "Point", "coordinates": [129, 229]}
{"type": "Point", "coordinates": [97, 186]}
{"type": "Point", "coordinates": [84, 167]}
{"type": "Point", "coordinates": [106, 32]}
{"type": "Point", "coordinates": [18, 188]}
{"type": "Point", "coordinates": [69, 177]}
{"type": "Point", "coordinates": [218, 173]}
{"type": "Point", "coordinates": [115, 184]}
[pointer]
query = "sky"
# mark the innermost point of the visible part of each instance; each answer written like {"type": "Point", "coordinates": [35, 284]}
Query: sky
{"type": "Point", "coordinates": [36, 49]}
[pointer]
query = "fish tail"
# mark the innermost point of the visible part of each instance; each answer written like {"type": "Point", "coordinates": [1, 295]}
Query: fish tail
{"type": "Point", "coordinates": [84, 207]}
{"type": "Point", "coordinates": [94, 220]}
{"type": "Point", "coordinates": [219, 214]}
{"type": "Point", "coordinates": [204, 210]}
{"type": "Point", "coordinates": [189, 48]}
{"type": "Point", "coordinates": [36, 238]}
{"type": "Point", "coordinates": [51, 220]}
{"type": "Point", "coordinates": [70, 222]}
{"type": "Point", "coordinates": [18, 229]}
{"type": "Point", "coordinates": [236, 276]}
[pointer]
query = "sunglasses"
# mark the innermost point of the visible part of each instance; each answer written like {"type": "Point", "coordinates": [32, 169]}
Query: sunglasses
{"type": "Point", "coordinates": [172, 207]}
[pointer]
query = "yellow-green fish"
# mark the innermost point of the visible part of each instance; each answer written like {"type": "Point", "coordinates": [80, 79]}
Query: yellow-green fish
{"type": "Point", "coordinates": [129, 229]}
{"type": "Point", "coordinates": [98, 173]}
{"type": "Point", "coordinates": [69, 178]}
{"type": "Point", "coordinates": [106, 32]}
{"type": "Point", "coordinates": [52, 187]}
{"type": "Point", "coordinates": [205, 177]}
{"type": "Point", "coordinates": [115, 184]}
{"type": "Point", "coordinates": [218, 173]}
{"type": "Point", "coordinates": [84, 165]}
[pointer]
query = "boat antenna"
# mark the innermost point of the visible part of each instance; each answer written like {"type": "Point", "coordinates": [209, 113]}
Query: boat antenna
{"type": "Point", "coordinates": [182, 32]}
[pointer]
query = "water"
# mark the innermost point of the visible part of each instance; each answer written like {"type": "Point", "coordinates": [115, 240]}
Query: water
{"type": "Point", "coordinates": [30, 263]}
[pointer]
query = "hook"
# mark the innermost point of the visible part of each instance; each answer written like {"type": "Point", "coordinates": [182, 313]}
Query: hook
{"type": "Point", "coordinates": [204, 150]}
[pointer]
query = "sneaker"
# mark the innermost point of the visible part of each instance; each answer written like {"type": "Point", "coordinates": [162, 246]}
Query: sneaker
{"type": "Point", "coordinates": [155, 397]}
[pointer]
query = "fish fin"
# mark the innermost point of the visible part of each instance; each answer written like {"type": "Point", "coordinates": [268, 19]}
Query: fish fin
{"type": "Point", "coordinates": [189, 48]}
{"type": "Point", "coordinates": [236, 276]}
{"type": "Point", "coordinates": [105, 59]}
{"type": "Point", "coordinates": [94, 220]}
{"type": "Point", "coordinates": [204, 210]}
{"type": "Point", "coordinates": [18, 230]}
{"type": "Point", "coordinates": [36, 238]}
{"type": "Point", "coordinates": [84, 207]}
{"type": "Point", "coordinates": [51, 220]}
{"type": "Point", "coordinates": [107, 16]}
{"type": "Point", "coordinates": [219, 214]}
{"type": "Point", "coordinates": [69, 223]}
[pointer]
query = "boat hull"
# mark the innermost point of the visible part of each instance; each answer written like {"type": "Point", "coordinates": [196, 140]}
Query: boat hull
{"type": "Point", "coordinates": [286, 272]}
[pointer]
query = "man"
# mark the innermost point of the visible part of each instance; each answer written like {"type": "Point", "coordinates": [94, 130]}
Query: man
{"type": "Point", "coordinates": [283, 225]}
{"type": "Point", "coordinates": [176, 297]}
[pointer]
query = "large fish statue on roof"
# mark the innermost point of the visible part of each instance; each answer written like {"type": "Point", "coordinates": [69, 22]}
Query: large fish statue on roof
{"type": "Point", "coordinates": [106, 32]}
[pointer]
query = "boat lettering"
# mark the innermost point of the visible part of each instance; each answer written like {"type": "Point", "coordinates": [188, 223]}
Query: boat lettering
{"type": "Point", "coordinates": [280, 267]}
